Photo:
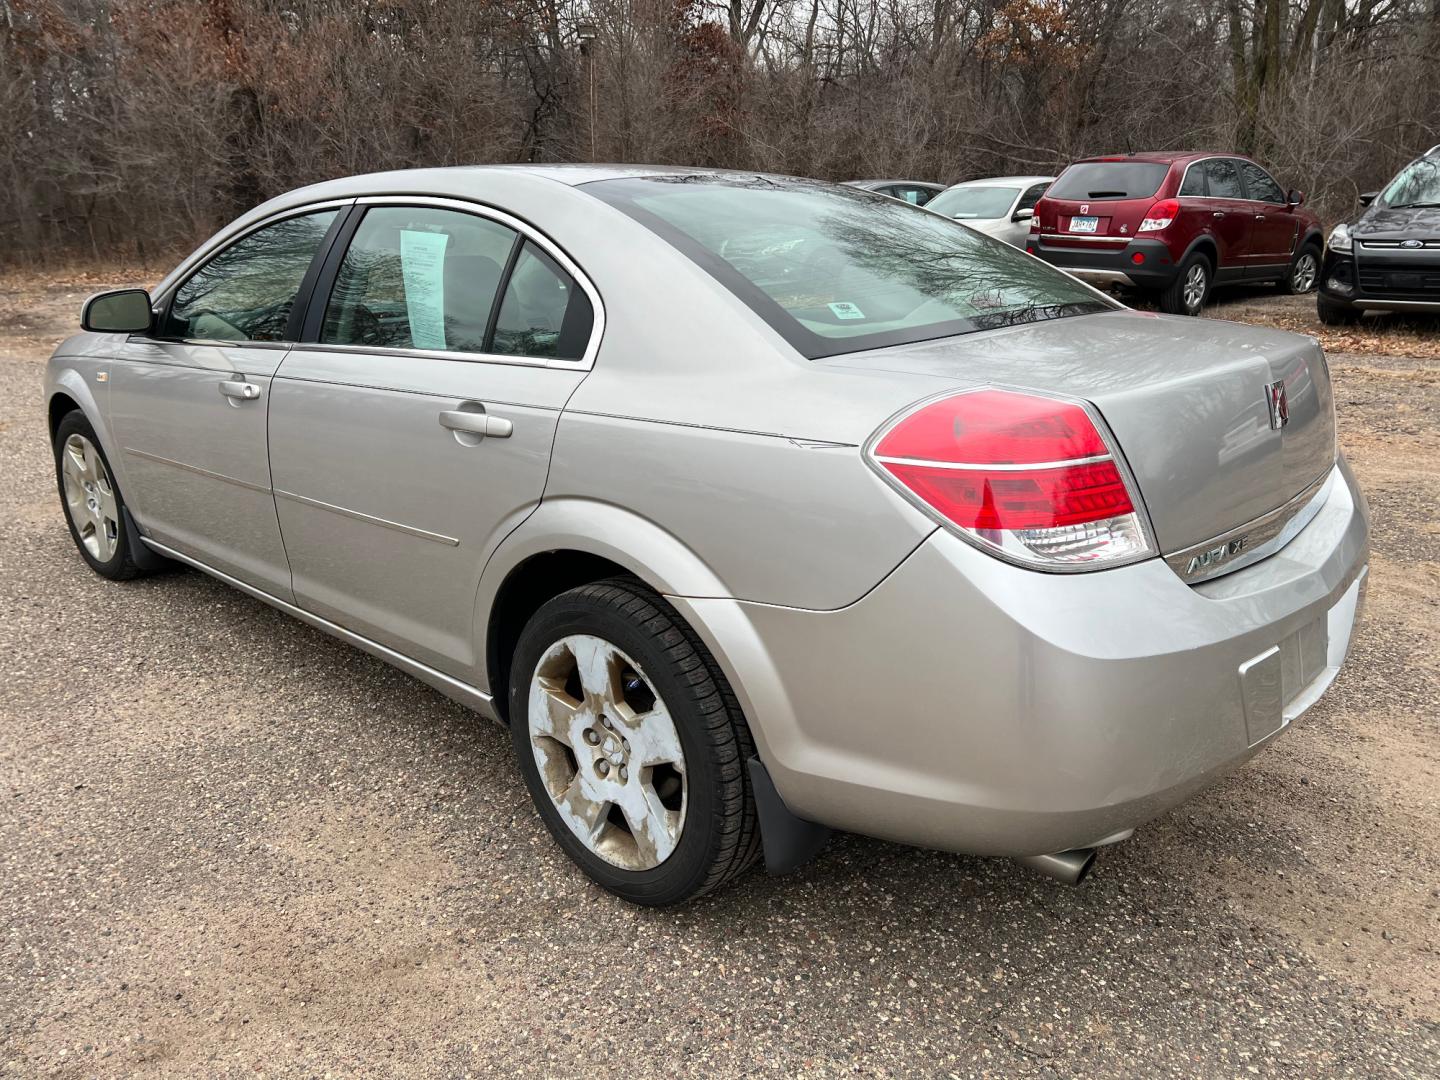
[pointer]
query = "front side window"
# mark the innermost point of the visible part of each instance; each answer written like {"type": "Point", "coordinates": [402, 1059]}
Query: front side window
{"type": "Point", "coordinates": [1417, 185]}
{"type": "Point", "coordinates": [835, 271]}
{"type": "Point", "coordinates": [1223, 179]}
{"type": "Point", "coordinates": [246, 292]}
{"type": "Point", "coordinates": [1262, 188]}
{"type": "Point", "coordinates": [1099, 180]}
{"type": "Point", "coordinates": [1032, 196]}
{"type": "Point", "coordinates": [967, 203]}
{"type": "Point", "coordinates": [418, 277]}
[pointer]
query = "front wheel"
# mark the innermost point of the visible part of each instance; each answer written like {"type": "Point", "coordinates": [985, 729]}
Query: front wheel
{"type": "Point", "coordinates": [1332, 314]}
{"type": "Point", "coordinates": [94, 507]}
{"type": "Point", "coordinates": [1186, 294]}
{"type": "Point", "coordinates": [1304, 272]}
{"type": "Point", "coordinates": [632, 744]}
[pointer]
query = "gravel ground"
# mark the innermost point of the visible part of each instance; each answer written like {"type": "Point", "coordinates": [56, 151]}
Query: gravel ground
{"type": "Point", "coordinates": [230, 844]}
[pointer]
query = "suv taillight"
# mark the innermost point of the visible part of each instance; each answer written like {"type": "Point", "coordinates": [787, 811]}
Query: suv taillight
{"type": "Point", "coordinates": [1160, 215]}
{"type": "Point", "coordinates": [1025, 477]}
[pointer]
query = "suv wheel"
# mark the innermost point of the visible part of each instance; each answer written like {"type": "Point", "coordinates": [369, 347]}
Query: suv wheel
{"type": "Point", "coordinates": [632, 744]}
{"type": "Point", "coordinates": [1187, 293]}
{"type": "Point", "coordinates": [1304, 272]}
{"type": "Point", "coordinates": [1332, 314]}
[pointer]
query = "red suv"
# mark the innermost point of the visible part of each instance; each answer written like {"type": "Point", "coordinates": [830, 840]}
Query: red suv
{"type": "Point", "coordinates": [1175, 225]}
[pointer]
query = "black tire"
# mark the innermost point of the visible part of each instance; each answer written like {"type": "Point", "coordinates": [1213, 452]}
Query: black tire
{"type": "Point", "coordinates": [1332, 314]}
{"type": "Point", "coordinates": [1173, 299]}
{"type": "Point", "coordinates": [1297, 283]}
{"type": "Point", "coordinates": [720, 836]}
{"type": "Point", "coordinates": [121, 565]}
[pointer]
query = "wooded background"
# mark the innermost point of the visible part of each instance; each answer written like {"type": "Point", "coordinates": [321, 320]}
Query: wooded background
{"type": "Point", "coordinates": [139, 126]}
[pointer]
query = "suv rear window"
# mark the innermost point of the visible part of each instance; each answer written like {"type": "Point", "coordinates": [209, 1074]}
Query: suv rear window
{"type": "Point", "coordinates": [835, 270]}
{"type": "Point", "coordinates": [1099, 180]}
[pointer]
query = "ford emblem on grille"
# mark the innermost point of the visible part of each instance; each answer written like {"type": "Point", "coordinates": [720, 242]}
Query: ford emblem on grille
{"type": "Point", "coordinates": [1412, 243]}
{"type": "Point", "coordinates": [1279, 405]}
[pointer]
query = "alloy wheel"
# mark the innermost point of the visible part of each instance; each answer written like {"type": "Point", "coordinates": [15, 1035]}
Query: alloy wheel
{"type": "Point", "coordinates": [1195, 281]}
{"type": "Point", "coordinates": [90, 498]}
{"type": "Point", "coordinates": [1302, 279]}
{"type": "Point", "coordinates": [608, 752]}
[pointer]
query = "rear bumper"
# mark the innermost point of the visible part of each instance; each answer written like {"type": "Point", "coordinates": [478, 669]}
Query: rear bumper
{"type": "Point", "coordinates": [1108, 266]}
{"type": "Point", "coordinates": [969, 705]}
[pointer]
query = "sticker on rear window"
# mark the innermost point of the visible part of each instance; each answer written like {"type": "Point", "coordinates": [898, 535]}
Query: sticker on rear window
{"type": "Point", "coordinates": [422, 268]}
{"type": "Point", "coordinates": [843, 310]}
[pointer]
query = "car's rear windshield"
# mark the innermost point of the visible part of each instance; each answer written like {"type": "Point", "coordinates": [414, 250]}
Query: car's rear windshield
{"type": "Point", "coordinates": [835, 270]}
{"type": "Point", "coordinates": [974, 202]}
{"type": "Point", "coordinates": [1099, 180]}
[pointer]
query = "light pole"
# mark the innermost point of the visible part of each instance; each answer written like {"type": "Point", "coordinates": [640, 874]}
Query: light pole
{"type": "Point", "coordinates": [587, 32]}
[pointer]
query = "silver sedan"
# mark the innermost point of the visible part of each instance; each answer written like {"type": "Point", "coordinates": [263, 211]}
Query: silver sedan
{"type": "Point", "coordinates": [755, 507]}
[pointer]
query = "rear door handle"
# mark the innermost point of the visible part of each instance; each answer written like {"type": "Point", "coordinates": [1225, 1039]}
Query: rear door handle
{"type": "Point", "coordinates": [476, 421]}
{"type": "Point", "coordinates": [1259, 217]}
{"type": "Point", "coordinates": [240, 390]}
{"type": "Point", "coordinates": [1218, 213]}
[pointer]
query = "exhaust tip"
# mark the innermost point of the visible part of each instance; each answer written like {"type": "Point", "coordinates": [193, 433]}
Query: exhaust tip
{"type": "Point", "coordinates": [1070, 867]}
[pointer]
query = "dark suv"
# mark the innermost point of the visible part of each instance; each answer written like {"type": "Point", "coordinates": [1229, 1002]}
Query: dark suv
{"type": "Point", "coordinates": [1175, 225]}
{"type": "Point", "coordinates": [1388, 260]}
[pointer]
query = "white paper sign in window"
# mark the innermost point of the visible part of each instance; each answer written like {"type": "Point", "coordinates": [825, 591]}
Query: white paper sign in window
{"type": "Point", "coordinates": [422, 265]}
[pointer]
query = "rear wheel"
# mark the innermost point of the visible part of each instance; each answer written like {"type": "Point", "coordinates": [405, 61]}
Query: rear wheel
{"type": "Point", "coordinates": [94, 507]}
{"type": "Point", "coordinates": [632, 744]}
{"type": "Point", "coordinates": [1304, 272]}
{"type": "Point", "coordinates": [1332, 314]}
{"type": "Point", "coordinates": [1187, 293]}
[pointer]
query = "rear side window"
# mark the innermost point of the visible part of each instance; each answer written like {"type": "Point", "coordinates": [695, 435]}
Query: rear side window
{"type": "Point", "coordinates": [1100, 180]}
{"type": "Point", "coordinates": [1194, 182]}
{"type": "Point", "coordinates": [544, 312]}
{"type": "Point", "coordinates": [834, 270]}
{"type": "Point", "coordinates": [418, 278]}
{"type": "Point", "coordinates": [1222, 179]}
{"type": "Point", "coordinates": [1260, 185]}
{"type": "Point", "coordinates": [246, 292]}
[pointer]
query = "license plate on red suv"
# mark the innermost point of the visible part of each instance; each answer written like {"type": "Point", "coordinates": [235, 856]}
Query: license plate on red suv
{"type": "Point", "coordinates": [1084, 224]}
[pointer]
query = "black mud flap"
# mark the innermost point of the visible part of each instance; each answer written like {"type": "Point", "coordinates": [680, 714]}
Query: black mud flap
{"type": "Point", "coordinates": [789, 841]}
{"type": "Point", "coordinates": [140, 552]}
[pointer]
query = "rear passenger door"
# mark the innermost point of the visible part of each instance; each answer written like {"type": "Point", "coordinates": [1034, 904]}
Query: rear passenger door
{"type": "Point", "coordinates": [1230, 215]}
{"type": "Point", "coordinates": [411, 429]}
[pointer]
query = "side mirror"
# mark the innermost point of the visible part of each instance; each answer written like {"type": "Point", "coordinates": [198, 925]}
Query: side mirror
{"type": "Point", "coordinates": [1022, 215]}
{"type": "Point", "coordinates": [124, 311]}
{"type": "Point", "coordinates": [1296, 197]}
{"type": "Point", "coordinates": [1367, 197]}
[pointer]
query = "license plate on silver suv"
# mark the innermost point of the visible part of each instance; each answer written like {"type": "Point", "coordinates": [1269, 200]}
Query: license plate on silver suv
{"type": "Point", "coordinates": [1084, 224]}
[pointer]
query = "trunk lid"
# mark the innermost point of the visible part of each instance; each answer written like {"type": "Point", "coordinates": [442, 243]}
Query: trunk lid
{"type": "Point", "coordinates": [1188, 401]}
{"type": "Point", "coordinates": [1115, 194]}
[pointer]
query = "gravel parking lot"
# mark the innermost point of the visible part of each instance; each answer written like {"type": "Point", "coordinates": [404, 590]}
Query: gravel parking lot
{"type": "Point", "coordinates": [230, 844]}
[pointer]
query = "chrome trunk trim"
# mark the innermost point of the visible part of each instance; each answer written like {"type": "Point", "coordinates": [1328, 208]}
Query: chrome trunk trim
{"type": "Point", "coordinates": [1247, 544]}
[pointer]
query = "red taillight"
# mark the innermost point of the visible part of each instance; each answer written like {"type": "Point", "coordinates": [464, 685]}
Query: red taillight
{"type": "Point", "coordinates": [1160, 215]}
{"type": "Point", "coordinates": [1026, 476]}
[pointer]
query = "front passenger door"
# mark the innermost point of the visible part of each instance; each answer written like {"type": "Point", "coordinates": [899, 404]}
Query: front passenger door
{"type": "Point", "coordinates": [412, 431]}
{"type": "Point", "coordinates": [188, 403]}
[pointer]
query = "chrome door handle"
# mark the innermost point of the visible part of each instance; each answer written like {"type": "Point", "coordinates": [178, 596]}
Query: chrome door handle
{"type": "Point", "coordinates": [1259, 217]}
{"type": "Point", "coordinates": [1218, 213]}
{"type": "Point", "coordinates": [476, 423]}
{"type": "Point", "coordinates": [240, 389]}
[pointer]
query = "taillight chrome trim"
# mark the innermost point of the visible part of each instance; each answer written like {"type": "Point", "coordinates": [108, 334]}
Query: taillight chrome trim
{"type": "Point", "coordinates": [1132, 488]}
{"type": "Point", "coordinates": [1022, 467]}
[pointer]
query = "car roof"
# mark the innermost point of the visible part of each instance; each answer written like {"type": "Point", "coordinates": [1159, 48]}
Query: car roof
{"type": "Point", "coordinates": [882, 183]}
{"type": "Point", "coordinates": [983, 181]}
{"type": "Point", "coordinates": [1161, 157]}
